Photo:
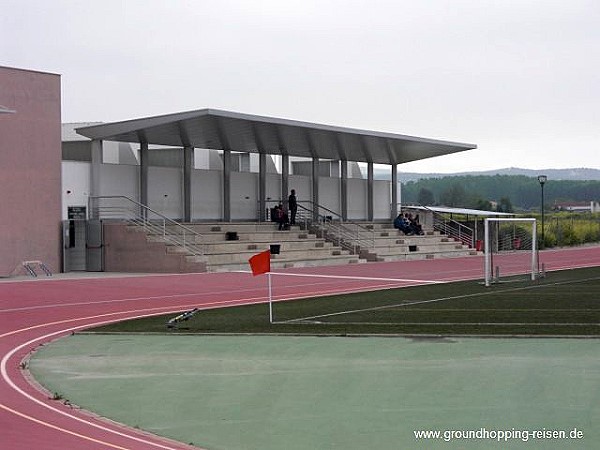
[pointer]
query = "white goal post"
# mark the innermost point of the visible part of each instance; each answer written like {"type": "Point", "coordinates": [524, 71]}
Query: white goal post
{"type": "Point", "coordinates": [489, 250]}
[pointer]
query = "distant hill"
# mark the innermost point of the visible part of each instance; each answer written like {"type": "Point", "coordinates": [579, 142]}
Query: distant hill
{"type": "Point", "coordinates": [577, 174]}
{"type": "Point", "coordinates": [580, 174]}
{"type": "Point", "coordinates": [522, 191]}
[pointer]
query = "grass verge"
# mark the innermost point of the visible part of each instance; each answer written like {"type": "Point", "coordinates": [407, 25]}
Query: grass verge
{"type": "Point", "coordinates": [565, 303]}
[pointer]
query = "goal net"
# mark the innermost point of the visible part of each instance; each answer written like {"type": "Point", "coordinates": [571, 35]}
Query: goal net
{"type": "Point", "coordinates": [510, 248]}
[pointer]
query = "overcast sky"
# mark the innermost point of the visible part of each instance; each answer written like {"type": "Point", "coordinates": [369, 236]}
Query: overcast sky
{"type": "Point", "coordinates": [521, 79]}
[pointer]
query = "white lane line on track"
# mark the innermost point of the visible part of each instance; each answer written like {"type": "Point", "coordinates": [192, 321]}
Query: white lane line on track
{"type": "Point", "coordinates": [55, 427]}
{"type": "Point", "coordinates": [29, 397]}
{"type": "Point", "coordinates": [155, 311]}
{"type": "Point", "coordinates": [136, 314]}
{"type": "Point", "coordinates": [348, 277]}
{"type": "Point", "coordinates": [203, 294]}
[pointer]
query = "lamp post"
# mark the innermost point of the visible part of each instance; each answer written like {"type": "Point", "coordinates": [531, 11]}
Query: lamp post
{"type": "Point", "coordinates": [542, 179]}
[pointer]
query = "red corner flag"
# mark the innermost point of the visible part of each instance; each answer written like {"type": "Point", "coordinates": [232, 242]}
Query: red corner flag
{"type": "Point", "coordinates": [261, 263]}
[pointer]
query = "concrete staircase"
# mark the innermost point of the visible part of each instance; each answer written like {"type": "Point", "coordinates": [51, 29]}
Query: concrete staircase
{"type": "Point", "coordinates": [129, 248]}
{"type": "Point", "coordinates": [228, 246]}
{"type": "Point", "coordinates": [385, 243]}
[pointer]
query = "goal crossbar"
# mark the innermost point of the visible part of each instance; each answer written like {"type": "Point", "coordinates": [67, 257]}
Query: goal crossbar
{"type": "Point", "coordinates": [488, 249]}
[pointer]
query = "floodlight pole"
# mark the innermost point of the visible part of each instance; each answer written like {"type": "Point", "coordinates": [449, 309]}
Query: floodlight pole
{"type": "Point", "coordinates": [542, 180]}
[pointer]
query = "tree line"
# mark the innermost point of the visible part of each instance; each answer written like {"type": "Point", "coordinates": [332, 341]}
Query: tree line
{"type": "Point", "coordinates": [504, 193]}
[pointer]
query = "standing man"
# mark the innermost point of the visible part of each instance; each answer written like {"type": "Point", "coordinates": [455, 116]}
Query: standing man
{"type": "Point", "coordinates": [293, 206]}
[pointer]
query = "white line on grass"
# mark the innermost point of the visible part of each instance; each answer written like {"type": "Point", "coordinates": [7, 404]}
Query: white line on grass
{"type": "Point", "coordinates": [539, 324]}
{"type": "Point", "coordinates": [434, 300]}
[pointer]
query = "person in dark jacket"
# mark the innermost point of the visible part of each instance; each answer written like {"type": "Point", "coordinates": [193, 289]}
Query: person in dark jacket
{"type": "Point", "coordinates": [292, 206]}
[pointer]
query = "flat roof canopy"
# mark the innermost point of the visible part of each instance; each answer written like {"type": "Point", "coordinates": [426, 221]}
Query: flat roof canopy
{"type": "Point", "coordinates": [225, 130]}
{"type": "Point", "coordinates": [5, 110]}
{"type": "Point", "coordinates": [465, 211]}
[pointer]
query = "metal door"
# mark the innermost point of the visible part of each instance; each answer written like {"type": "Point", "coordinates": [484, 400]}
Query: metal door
{"type": "Point", "coordinates": [94, 247]}
{"type": "Point", "coordinates": [74, 239]}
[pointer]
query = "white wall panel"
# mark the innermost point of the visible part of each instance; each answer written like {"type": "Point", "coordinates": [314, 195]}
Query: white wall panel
{"type": "Point", "coordinates": [357, 199]}
{"type": "Point", "coordinates": [207, 195]}
{"type": "Point", "coordinates": [329, 194]}
{"type": "Point", "coordinates": [165, 191]}
{"type": "Point", "coordinates": [244, 196]}
{"type": "Point", "coordinates": [382, 199]}
{"type": "Point", "coordinates": [274, 187]}
{"type": "Point", "coordinates": [120, 180]}
{"type": "Point", "coordinates": [75, 185]}
{"type": "Point", "coordinates": [303, 186]}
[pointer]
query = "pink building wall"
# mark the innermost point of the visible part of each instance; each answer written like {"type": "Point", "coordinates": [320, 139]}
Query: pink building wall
{"type": "Point", "coordinates": [30, 169]}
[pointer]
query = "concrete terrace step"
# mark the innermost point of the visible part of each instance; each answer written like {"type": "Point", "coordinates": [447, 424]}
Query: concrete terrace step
{"type": "Point", "coordinates": [427, 255]}
{"type": "Point", "coordinates": [286, 263]}
{"type": "Point", "coordinates": [419, 243]}
{"type": "Point", "coordinates": [383, 241]}
{"type": "Point", "coordinates": [420, 249]}
{"type": "Point", "coordinates": [300, 248]}
{"type": "Point", "coordinates": [240, 227]}
{"type": "Point", "coordinates": [257, 246]}
{"type": "Point", "coordinates": [291, 255]}
{"type": "Point", "coordinates": [260, 236]}
{"type": "Point", "coordinates": [297, 248]}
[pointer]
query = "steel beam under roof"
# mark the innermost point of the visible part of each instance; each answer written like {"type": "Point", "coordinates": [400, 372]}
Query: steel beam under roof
{"type": "Point", "coordinates": [205, 128]}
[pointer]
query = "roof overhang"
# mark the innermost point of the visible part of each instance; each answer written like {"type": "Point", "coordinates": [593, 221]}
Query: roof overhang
{"type": "Point", "coordinates": [5, 110]}
{"type": "Point", "coordinates": [225, 130]}
{"type": "Point", "coordinates": [464, 211]}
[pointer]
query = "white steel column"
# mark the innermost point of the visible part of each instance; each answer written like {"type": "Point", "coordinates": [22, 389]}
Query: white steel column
{"type": "Point", "coordinates": [285, 177]}
{"type": "Point", "coordinates": [394, 210]}
{"type": "Point", "coordinates": [370, 201]}
{"type": "Point", "coordinates": [262, 186]}
{"type": "Point", "coordinates": [188, 164]}
{"type": "Point", "coordinates": [344, 189]}
{"type": "Point", "coordinates": [144, 165]}
{"type": "Point", "coordinates": [227, 185]}
{"type": "Point", "coordinates": [96, 149]}
{"type": "Point", "coordinates": [315, 187]}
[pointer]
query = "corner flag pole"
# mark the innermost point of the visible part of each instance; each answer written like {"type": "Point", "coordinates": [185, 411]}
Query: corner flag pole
{"type": "Point", "coordinates": [270, 299]}
{"type": "Point", "coordinates": [261, 263]}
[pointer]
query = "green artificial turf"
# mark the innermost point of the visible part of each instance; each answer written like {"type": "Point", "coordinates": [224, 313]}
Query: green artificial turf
{"type": "Point", "coordinates": [563, 303]}
{"type": "Point", "coordinates": [323, 393]}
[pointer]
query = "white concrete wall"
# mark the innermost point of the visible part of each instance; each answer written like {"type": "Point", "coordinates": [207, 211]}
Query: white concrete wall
{"type": "Point", "coordinates": [357, 199]}
{"type": "Point", "coordinates": [207, 195]}
{"type": "Point", "coordinates": [382, 199]}
{"type": "Point", "coordinates": [207, 187]}
{"type": "Point", "coordinates": [303, 186]}
{"type": "Point", "coordinates": [274, 187]}
{"type": "Point", "coordinates": [75, 185]}
{"type": "Point", "coordinates": [165, 191]}
{"type": "Point", "coordinates": [244, 196]}
{"type": "Point", "coordinates": [120, 179]}
{"type": "Point", "coordinates": [329, 194]}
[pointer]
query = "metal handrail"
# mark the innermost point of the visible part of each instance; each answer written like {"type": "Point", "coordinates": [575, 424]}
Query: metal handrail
{"type": "Point", "coordinates": [347, 234]}
{"type": "Point", "coordinates": [136, 213]}
{"type": "Point", "coordinates": [449, 227]}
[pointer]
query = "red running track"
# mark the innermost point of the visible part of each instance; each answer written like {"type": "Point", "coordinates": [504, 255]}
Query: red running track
{"type": "Point", "coordinates": [37, 311]}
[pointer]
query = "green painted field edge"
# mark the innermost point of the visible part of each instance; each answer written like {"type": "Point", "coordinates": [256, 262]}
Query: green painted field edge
{"type": "Point", "coordinates": [351, 335]}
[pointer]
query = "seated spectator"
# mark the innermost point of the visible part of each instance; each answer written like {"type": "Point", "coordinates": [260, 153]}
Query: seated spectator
{"type": "Point", "coordinates": [415, 226]}
{"type": "Point", "coordinates": [281, 217]}
{"type": "Point", "coordinates": [402, 223]}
